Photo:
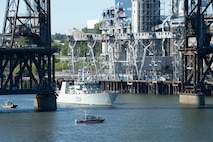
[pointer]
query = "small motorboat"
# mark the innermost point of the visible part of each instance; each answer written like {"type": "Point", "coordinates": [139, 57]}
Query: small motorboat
{"type": "Point", "coordinates": [90, 119]}
{"type": "Point", "coordinates": [8, 104]}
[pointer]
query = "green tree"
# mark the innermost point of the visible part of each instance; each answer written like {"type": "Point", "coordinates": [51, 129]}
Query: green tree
{"type": "Point", "coordinates": [85, 30]}
{"type": "Point", "coordinates": [61, 45]}
{"type": "Point", "coordinates": [97, 28]}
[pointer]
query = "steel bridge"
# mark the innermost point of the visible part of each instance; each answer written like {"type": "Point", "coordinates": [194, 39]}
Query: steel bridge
{"type": "Point", "coordinates": [26, 56]}
{"type": "Point", "coordinates": [197, 54]}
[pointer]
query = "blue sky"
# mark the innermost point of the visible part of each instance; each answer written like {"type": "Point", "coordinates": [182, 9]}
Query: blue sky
{"type": "Point", "coordinates": [69, 14]}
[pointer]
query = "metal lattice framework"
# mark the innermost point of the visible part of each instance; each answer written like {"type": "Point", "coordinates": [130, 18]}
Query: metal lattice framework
{"type": "Point", "coordinates": [134, 44]}
{"type": "Point", "coordinates": [26, 57]}
{"type": "Point", "coordinates": [197, 54]}
{"type": "Point", "coordinates": [29, 19]}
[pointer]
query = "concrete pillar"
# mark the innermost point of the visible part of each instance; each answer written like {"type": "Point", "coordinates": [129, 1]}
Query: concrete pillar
{"type": "Point", "coordinates": [192, 99]}
{"type": "Point", "coordinates": [45, 102]}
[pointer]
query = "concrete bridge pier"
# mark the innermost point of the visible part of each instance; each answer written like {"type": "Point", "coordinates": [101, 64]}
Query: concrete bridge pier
{"type": "Point", "coordinates": [45, 102]}
{"type": "Point", "coordinates": [192, 99]}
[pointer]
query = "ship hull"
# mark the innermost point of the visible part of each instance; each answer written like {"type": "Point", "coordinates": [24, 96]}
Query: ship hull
{"type": "Point", "coordinates": [104, 98]}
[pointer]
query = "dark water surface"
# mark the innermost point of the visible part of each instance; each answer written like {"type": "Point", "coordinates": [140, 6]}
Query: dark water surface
{"type": "Point", "coordinates": [133, 118]}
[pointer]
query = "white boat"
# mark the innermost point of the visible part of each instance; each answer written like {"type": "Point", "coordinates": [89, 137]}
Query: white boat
{"type": "Point", "coordinates": [85, 92]}
{"type": "Point", "coordinates": [8, 104]}
{"type": "Point", "coordinates": [88, 93]}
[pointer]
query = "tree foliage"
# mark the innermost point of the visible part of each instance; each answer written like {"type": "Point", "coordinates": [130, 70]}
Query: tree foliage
{"type": "Point", "coordinates": [60, 42]}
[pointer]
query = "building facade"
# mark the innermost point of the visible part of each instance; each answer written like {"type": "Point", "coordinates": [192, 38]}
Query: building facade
{"type": "Point", "coordinates": [145, 15]}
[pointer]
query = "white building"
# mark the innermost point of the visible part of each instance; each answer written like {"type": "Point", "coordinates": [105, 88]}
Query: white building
{"type": "Point", "coordinates": [91, 23]}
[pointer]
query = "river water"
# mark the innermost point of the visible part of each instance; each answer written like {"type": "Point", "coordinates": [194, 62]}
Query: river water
{"type": "Point", "coordinates": [133, 118]}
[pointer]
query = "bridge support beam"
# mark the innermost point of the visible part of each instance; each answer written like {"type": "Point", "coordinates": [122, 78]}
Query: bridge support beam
{"type": "Point", "coordinates": [45, 102]}
{"type": "Point", "coordinates": [192, 99]}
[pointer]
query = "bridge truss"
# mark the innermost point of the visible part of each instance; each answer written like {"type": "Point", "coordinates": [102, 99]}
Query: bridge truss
{"type": "Point", "coordinates": [26, 57]}
{"type": "Point", "coordinates": [197, 53]}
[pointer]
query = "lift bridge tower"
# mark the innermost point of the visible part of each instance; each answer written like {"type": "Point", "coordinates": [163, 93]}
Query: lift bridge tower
{"type": "Point", "coordinates": [26, 57]}
{"type": "Point", "coordinates": [197, 52]}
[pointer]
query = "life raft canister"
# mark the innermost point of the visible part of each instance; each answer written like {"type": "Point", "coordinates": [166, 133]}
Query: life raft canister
{"type": "Point", "coordinates": [85, 91]}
